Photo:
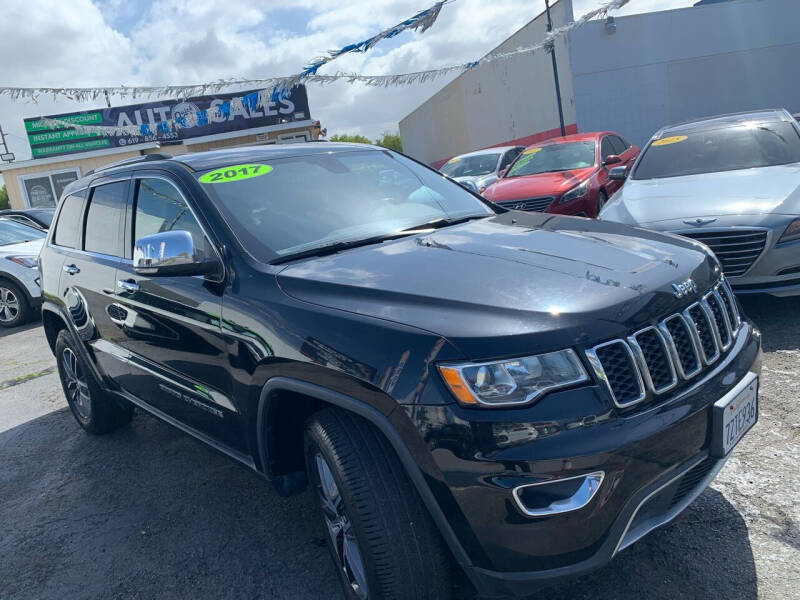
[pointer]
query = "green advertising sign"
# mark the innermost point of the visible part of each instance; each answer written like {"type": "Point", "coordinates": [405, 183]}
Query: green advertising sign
{"type": "Point", "coordinates": [39, 152]}
{"type": "Point", "coordinates": [51, 137]}
{"type": "Point", "coordinates": [92, 118]}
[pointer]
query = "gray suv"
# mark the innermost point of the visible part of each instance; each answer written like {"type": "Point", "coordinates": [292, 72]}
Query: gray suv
{"type": "Point", "coordinates": [20, 294]}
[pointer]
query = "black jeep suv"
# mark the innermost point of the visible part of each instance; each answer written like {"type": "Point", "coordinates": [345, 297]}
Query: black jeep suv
{"type": "Point", "coordinates": [522, 395]}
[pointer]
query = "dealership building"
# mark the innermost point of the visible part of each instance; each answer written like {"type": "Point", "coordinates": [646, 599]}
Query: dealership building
{"type": "Point", "coordinates": [631, 75]}
{"type": "Point", "coordinates": [60, 156]}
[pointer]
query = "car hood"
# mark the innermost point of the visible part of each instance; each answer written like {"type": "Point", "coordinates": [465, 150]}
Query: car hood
{"type": "Point", "coordinates": [745, 192]}
{"type": "Point", "coordinates": [30, 248]}
{"type": "Point", "coordinates": [532, 186]}
{"type": "Point", "coordinates": [510, 284]}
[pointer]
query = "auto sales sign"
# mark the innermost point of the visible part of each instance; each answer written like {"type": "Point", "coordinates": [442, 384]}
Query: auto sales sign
{"type": "Point", "coordinates": [223, 116]}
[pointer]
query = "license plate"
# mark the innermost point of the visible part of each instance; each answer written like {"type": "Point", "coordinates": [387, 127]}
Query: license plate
{"type": "Point", "coordinates": [734, 415]}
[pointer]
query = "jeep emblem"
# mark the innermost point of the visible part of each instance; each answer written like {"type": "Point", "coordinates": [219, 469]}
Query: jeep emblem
{"type": "Point", "coordinates": [683, 289]}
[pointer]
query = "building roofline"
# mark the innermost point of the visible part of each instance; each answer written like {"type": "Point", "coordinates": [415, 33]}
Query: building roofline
{"type": "Point", "coordinates": [75, 156]}
{"type": "Point", "coordinates": [150, 145]}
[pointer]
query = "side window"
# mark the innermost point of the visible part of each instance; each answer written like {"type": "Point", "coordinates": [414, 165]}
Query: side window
{"type": "Point", "coordinates": [159, 208]}
{"type": "Point", "coordinates": [509, 157]}
{"type": "Point", "coordinates": [619, 146]}
{"type": "Point", "coordinates": [68, 228]}
{"type": "Point", "coordinates": [104, 219]}
{"type": "Point", "coordinates": [606, 149]}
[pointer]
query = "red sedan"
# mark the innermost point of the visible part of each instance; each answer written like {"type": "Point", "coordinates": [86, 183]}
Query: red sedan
{"type": "Point", "coordinates": [566, 175]}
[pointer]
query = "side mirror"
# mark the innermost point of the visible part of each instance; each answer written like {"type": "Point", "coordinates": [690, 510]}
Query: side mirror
{"type": "Point", "coordinates": [618, 173]}
{"type": "Point", "coordinates": [170, 253]}
{"type": "Point", "coordinates": [502, 173]}
{"type": "Point", "coordinates": [612, 159]}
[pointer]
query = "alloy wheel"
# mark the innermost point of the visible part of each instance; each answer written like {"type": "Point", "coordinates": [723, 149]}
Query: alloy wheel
{"type": "Point", "coordinates": [340, 530]}
{"type": "Point", "coordinates": [76, 387]}
{"type": "Point", "coordinates": [9, 305]}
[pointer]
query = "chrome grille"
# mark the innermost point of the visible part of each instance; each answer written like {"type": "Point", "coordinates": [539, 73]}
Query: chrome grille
{"type": "Point", "coordinates": [704, 330]}
{"type": "Point", "coordinates": [714, 303]}
{"type": "Point", "coordinates": [687, 359]}
{"type": "Point", "coordinates": [737, 250]}
{"type": "Point", "coordinates": [529, 204]}
{"type": "Point", "coordinates": [621, 374]}
{"type": "Point", "coordinates": [655, 359]}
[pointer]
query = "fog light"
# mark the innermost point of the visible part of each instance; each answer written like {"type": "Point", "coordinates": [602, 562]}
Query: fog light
{"type": "Point", "coordinates": [558, 496]}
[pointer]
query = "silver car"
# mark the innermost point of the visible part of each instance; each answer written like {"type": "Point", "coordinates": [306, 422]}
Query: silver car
{"type": "Point", "coordinates": [20, 294]}
{"type": "Point", "coordinates": [480, 169]}
{"type": "Point", "coordinates": [730, 182]}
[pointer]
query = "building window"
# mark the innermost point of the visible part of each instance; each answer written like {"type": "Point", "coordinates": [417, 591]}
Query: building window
{"type": "Point", "coordinates": [292, 138]}
{"type": "Point", "coordinates": [42, 190]}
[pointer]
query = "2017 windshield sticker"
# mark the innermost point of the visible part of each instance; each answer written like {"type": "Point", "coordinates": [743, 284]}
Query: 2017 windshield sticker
{"type": "Point", "coordinates": [531, 150]}
{"type": "Point", "coordinates": [235, 173]}
{"type": "Point", "coordinates": [675, 139]}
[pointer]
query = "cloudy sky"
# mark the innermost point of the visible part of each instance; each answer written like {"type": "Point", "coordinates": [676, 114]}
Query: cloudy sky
{"type": "Point", "coordinates": [112, 42]}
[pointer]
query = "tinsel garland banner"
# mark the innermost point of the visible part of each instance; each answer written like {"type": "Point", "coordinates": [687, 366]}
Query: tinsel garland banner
{"type": "Point", "coordinates": [279, 86]}
{"type": "Point", "coordinates": [422, 21]}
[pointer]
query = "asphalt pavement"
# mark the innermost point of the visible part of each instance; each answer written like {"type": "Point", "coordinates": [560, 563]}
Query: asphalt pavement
{"type": "Point", "coordinates": [148, 513]}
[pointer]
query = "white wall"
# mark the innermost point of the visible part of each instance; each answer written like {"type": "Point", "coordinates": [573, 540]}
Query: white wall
{"type": "Point", "coordinates": [496, 102]}
{"type": "Point", "coordinates": [667, 67]}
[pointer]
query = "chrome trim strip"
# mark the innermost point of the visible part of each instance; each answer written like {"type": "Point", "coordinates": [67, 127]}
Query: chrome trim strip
{"type": "Point", "coordinates": [597, 366]}
{"type": "Point", "coordinates": [696, 332]}
{"type": "Point", "coordinates": [582, 497]}
{"type": "Point", "coordinates": [659, 520]}
{"type": "Point", "coordinates": [645, 368]}
{"type": "Point", "coordinates": [726, 320]}
{"type": "Point", "coordinates": [674, 348]}
{"type": "Point", "coordinates": [726, 288]}
{"type": "Point", "coordinates": [706, 306]}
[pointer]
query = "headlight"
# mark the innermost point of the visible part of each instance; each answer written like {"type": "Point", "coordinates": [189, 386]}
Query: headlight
{"type": "Point", "coordinates": [792, 232]}
{"type": "Point", "coordinates": [515, 381]}
{"type": "Point", "coordinates": [25, 261]}
{"type": "Point", "coordinates": [579, 191]}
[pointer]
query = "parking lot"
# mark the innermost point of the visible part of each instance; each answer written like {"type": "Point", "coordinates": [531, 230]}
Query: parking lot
{"type": "Point", "coordinates": [149, 513]}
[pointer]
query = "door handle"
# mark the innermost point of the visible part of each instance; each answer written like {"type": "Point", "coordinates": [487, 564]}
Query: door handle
{"type": "Point", "coordinates": [71, 269]}
{"type": "Point", "coordinates": [127, 286]}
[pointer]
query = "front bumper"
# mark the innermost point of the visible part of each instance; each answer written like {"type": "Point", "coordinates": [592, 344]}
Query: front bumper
{"type": "Point", "coordinates": [647, 456]}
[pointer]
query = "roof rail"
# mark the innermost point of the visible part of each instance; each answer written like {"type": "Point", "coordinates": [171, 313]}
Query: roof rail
{"type": "Point", "coordinates": [130, 161]}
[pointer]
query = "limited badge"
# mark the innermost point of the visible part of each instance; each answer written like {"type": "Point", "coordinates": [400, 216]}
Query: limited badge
{"type": "Point", "coordinates": [235, 173]}
{"type": "Point", "coordinates": [669, 140]}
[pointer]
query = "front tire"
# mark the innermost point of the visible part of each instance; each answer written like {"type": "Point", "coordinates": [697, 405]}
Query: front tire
{"type": "Point", "coordinates": [14, 307]}
{"type": "Point", "coordinates": [93, 409]}
{"type": "Point", "coordinates": [380, 535]}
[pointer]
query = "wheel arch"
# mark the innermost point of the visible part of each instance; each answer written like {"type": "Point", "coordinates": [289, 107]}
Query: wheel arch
{"type": "Point", "coordinates": [5, 276]}
{"type": "Point", "coordinates": [323, 397]}
{"type": "Point", "coordinates": [52, 322]}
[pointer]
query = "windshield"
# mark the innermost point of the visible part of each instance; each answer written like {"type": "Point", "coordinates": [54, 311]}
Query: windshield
{"type": "Point", "coordinates": [553, 157]}
{"type": "Point", "coordinates": [470, 166]}
{"type": "Point", "coordinates": [726, 149]}
{"type": "Point", "coordinates": [295, 204]}
{"type": "Point", "coordinates": [44, 215]}
{"type": "Point", "coordinates": [12, 232]}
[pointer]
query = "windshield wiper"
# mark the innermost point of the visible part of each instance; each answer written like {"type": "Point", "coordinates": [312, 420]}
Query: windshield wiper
{"type": "Point", "coordinates": [377, 239]}
{"type": "Point", "coordinates": [338, 247]}
{"type": "Point", "coordinates": [439, 223]}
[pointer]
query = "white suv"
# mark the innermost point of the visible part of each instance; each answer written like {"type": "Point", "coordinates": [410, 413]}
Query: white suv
{"type": "Point", "coordinates": [20, 293]}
